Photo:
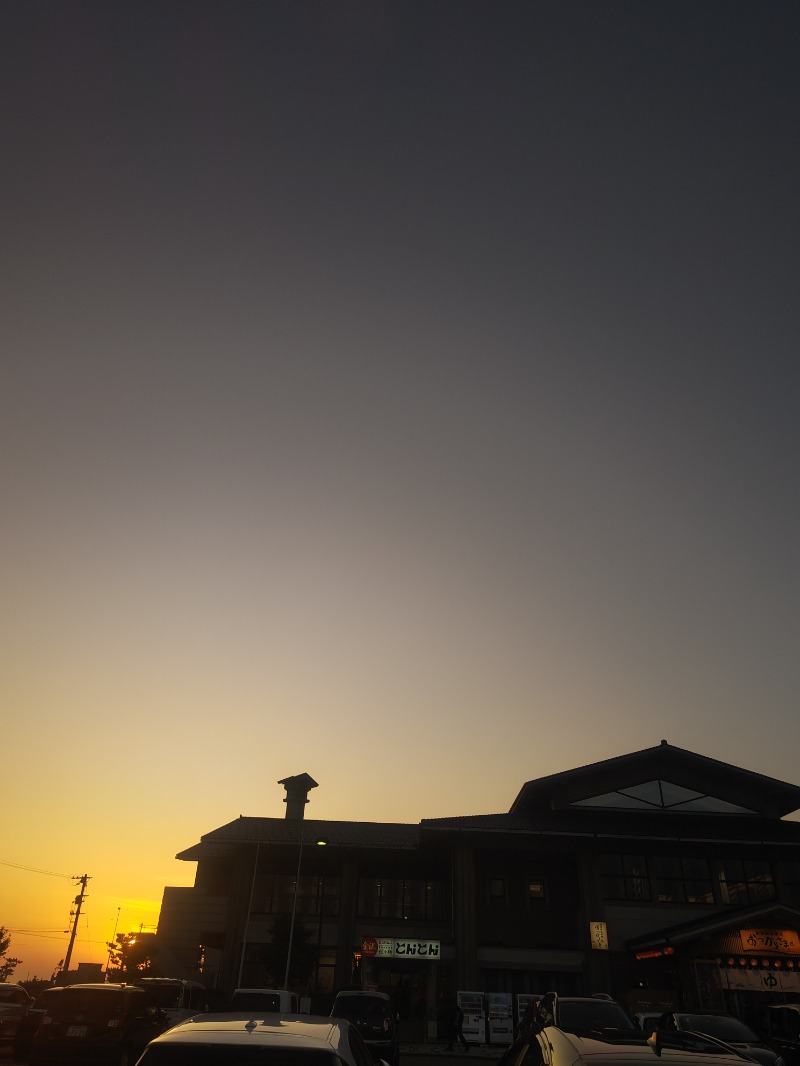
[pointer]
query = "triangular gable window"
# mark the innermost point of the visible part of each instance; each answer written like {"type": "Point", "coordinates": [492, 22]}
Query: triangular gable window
{"type": "Point", "coordinates": [664, 796]}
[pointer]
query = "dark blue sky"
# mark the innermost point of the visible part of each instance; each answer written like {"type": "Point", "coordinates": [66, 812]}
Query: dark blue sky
{"type": "Point", "coordinates": [394, 383]}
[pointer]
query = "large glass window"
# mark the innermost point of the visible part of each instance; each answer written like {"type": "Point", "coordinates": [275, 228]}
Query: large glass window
{"type": "Point", "coordinates": [393, 897]}
{"type": "Point", "coordinates": [681, 880]}
{"type": "Point", "coordinates": [624, 877]}
{"type": "Point", "coordinates": [745, 881]}
{"type": "Point", "coordinates": [315, 895]}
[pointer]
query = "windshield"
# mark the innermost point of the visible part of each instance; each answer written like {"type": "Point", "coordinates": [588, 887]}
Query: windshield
{"type": "Point", "coordinates": [261, 1001]}
{"type": "Point", "coordinates": [728, 1029]}
{"type": "Point", "coordinates": [164, 996]}
{"type": "Point", "coordinates": [95, 1004]}
{"type": "Point", "coordinates": [13, 995]}
{"type": "Point", "coordinates": [227, 1055]}
{"type": "Point", "coordinates": [361, 1007]}
{"type": "Point", "coordinates": [585, 1015]}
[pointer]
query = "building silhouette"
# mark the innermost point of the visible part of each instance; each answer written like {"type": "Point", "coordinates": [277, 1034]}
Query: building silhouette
{"type": "Point", "coordinates": [661, 877]}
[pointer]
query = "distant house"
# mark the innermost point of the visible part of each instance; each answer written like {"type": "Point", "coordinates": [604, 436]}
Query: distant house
{"type": "Point", "coordinates": [661, 877]}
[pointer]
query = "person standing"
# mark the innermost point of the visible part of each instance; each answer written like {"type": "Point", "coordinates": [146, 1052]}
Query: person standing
{"type": "Point", "coordinates": [458, 1028]}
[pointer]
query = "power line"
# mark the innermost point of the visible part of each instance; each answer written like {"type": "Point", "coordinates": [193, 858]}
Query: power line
{"type": "Point", "coordinates": [33, 870]}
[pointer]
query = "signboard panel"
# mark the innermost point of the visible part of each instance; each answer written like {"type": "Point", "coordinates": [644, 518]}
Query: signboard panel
{"type": "Point", "coordinates": [387, 948]}
{"type": "Point", "coordinates": [598, 933]}
{"type": "Point", "coordinates": [780, 941]}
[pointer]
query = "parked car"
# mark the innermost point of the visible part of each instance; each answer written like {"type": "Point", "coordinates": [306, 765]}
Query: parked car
{"type": "Point", "coordinates": [556, 1047]}
{"type": "Point", "coordinates": [783, 1031]}
{"type": "Point", "coordinates": [269, 1040]}
{"type": "Point", "coordinates": [32, 1019]}
{"type": "Point", "coordinates": [647, 1020]}
{"type": "Point", "coordinates": [724, 1027]}
{"type": "Point", "coordinates": [265, 1000]}
{"type": "Point", "coordinates": [100, 1024]}
{"type": "Point", "coordinates": [14, 1000]}
{"type": "Point", "coordinates": [580, 1014]}
{"type": "Point", "coordinates": [374, 1017]}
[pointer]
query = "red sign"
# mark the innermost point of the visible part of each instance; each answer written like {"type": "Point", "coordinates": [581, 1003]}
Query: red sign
{"type": "Point", "coordinates": [369, 946]}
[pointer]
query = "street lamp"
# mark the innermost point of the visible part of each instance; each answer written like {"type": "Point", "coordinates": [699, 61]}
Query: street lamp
{"type": "Point", "coordinates": [247, 919]}
{"type": "Point", "coordinates": [320, 842]}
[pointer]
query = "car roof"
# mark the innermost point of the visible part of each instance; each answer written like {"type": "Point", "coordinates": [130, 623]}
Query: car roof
{"type": "Point", "coordinates": [280, 1030]}
{"type": "Point", "coordinates": [628, 1053]}
{"type": "Point", "coordinates": [359, 992]}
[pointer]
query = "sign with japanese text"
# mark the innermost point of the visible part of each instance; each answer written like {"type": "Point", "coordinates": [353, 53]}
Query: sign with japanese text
{"type": "Point", "coordinates": [383, 947]}
{"type": "Point", "coordinates": [598, 931]}
{"type": "Point", "coordinates": [785, 941]}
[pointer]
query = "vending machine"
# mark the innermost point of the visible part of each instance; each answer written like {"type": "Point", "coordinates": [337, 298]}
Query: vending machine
{"type": "Point", "coordinates": [474, 1027]}
{"type": "Point", "coordinates": [501, 1021]}
{"type": "Point", "coordinates": [524, 1000]}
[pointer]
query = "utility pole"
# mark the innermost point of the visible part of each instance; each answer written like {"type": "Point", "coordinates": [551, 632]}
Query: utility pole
{"type": "Point", "coordinates": [82, 881]}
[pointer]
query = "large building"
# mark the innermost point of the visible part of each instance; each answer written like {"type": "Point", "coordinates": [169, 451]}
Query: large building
{"type": "Point", "coordinates": [661, 877]}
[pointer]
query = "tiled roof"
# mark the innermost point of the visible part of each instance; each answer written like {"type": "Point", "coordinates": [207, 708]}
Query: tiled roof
{"type": "Point", "coordinates": [247, 830]}
{"type": "Point", "coordinates": [505, 823]}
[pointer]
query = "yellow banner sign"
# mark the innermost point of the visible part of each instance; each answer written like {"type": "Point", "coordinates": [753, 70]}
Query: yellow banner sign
{"type": "Point", "coordinates": [782, 941]}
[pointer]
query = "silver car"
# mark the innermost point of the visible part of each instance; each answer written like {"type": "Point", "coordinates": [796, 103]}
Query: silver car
{"type": "Point", "coordinates": [268, 1040]}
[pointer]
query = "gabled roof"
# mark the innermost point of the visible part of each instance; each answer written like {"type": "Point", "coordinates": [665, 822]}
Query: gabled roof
{"type": "Point", "coordinates": [662, 777]}
{"type": "Point", "coordinates": [768, 913]}
{"type": "Point", "coordinates": [221, 842]}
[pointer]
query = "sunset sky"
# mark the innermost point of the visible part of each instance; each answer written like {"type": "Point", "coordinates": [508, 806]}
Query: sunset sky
{"type": "Point", "coordinates": [405, 393]}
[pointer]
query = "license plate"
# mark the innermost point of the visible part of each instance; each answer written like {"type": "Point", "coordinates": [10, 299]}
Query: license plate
{"type": "Point", "coordinates": [77, 1030]}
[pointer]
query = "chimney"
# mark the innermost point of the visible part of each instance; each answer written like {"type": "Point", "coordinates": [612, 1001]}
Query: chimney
{"type": "Point", "coordinates": [297, 790]}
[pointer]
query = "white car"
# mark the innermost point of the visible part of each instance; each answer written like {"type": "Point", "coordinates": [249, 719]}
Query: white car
{"type": "Point", "coordinates": [268, 1040]}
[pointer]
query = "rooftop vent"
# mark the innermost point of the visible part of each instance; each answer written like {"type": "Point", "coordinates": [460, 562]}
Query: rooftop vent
{"type": "Point", "coordinates": [297, 790]}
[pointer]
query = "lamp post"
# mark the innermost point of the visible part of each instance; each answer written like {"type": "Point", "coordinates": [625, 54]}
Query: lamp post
{"type": "Point", "coordinates": [247, 920]}
{"type": "Point", "coordinates": [294, 908]}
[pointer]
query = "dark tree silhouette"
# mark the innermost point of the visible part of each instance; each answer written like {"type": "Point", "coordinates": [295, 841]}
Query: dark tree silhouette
{"type": "Point", "coordinates": [7, 964]}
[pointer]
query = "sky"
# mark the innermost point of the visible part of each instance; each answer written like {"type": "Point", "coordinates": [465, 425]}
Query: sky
{"type": "Point", "coordinates": [402, 392]}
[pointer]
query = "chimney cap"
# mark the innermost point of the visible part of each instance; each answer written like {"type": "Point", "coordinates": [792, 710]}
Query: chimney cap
{"type": "Point", "coordinates": [297, 789]}
{"type": "Point", "coordinates": [300, 782]}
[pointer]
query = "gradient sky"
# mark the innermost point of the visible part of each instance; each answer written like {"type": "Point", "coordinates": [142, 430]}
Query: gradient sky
{"type": "Point", "coordinates": [399, 392]}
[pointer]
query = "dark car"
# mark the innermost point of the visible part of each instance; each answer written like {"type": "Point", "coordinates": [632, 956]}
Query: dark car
{"type": "Point", "coordinates": [32, 1019]}
{"type": "Point", "coordinates": [374, 1018]}
{"type": "Point", "coordinates": [724, 1027]}
{"type": "Point", "coordinates": [106, 1025]}
{"type": "Point", "coordinates": [14, 1001]}
{"type": "Point", "coordinates": [783, 1031]}
{"type": "Point", "coordinates": [579, 1014]}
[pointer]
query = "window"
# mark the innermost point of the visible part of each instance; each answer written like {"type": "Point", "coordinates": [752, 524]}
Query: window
{"type": "Point", "coordinates": [624, 877]}
{"type": "Point", "coordinates": [315, 895]}
{"type": "Point", "coordinates": [681, 880]}
{"type": "Point", "coordinates": [393, 897]}
{"type": "Point", "coordinates": [665, 796]}
{"type": "Point", "coordinates": [745, 881]}
{"type": "Point", "coordinates": [535, 893]}
{"type": "Point", "coordinates": [496, 893]}
{"type": "Point", "coordinates": [791, 880]}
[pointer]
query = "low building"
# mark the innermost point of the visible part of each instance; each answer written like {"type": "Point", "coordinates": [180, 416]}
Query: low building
{"type": "Point", "coordinates": [661, 877]}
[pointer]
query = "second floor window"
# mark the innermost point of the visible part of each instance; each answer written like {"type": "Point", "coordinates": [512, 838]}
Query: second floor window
{"type": "Point", "coordinates": [496, 893]}
{"type": "Point", "coordinates": [624, 877]}
{"type": "Point", "coordinates": [394, 897]}
{"type": "Point", "coordinates": [681, 880]}
{"type": "Point", "coordinates": [743, 881]}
